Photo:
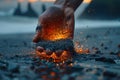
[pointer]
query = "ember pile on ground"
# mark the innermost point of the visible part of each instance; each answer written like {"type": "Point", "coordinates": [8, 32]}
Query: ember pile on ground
{"type": "Point", "coordinates": [19, 62]}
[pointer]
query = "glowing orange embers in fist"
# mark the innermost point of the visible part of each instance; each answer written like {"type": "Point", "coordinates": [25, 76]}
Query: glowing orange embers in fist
{"type": "Point", "coordinates": [55, 30]}
{"type": "Point", "coordinates": [58, 56]}
{"type": "Point", "coordinates": [55, 51]}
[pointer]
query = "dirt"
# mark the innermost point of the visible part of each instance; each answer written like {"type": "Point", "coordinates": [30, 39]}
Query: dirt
{"type": "Point", "coordinates": [18, 60]}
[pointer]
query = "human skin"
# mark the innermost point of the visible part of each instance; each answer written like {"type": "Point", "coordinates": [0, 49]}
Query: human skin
{"type": "Point", "coordinates": [57, 22]}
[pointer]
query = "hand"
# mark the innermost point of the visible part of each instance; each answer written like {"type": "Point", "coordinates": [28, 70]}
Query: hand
{"type": "Point", "coordinates": [56, 18]}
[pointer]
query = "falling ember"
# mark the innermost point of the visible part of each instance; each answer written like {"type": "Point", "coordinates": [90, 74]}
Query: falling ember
{"type": "Point", "coordinates": [79, 49]}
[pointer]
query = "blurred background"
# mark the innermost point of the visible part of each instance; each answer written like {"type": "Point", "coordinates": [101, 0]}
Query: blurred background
{"type": "Point", "coordinates": [21, 16]}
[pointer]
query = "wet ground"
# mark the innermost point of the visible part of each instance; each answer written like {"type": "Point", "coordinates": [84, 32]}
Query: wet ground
{"type": "Point", "coordinates": [19, 62]}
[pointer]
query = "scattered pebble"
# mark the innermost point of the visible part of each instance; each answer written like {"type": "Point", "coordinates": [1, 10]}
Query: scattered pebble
{"type": "Point", "coordinates": [104, 59]}
{"type": "Point", "coordinates": [119, 46]}
{"type": "Point", "coordinates": [88, 36]}
{"type": "Point", "coordinates": [105, 48]}
{"type": "Point", "coordinates": [117, 61]}
{"type": "Point", "coordinates": [16, 65]}
{"type": "Point", "coordinates": [102, 44]}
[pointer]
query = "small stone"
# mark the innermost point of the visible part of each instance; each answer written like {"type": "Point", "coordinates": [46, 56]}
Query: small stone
{"type": "Point", "coordinates": [16, 55]}
{"type": "Point", "coordinates": [0, 55]}
{"type": "Point", "coordinates": [48, 52]}
{"type": "Point", "coordinates": [25, 43]}
{"type": "Point", "coordinates": [3, 66]}
{"type": "Point", "coordinates": [112, 53]}
{"type": "Point", "coordinates": [65, 77]}
{"type": "Point", "coordinates": [88, 36]}
{"type": "Point", "coordinates": [117, 61]}
{"type": "Point", "coordinates": [41, 68]}
{"type": "Point", "coordinates": [105, 48]}
{"type": "Point", "coordinates": [94, 48]}
{"type": "Point", "coordinates": [13, 67]}
{"type": "Point", "coordinates": [102, 44]}
{"type": "Point", "coordinates": [74, 74]}
{"type": "Point", "coordinates": [40, 49]}
{"type": "Point", "coordinates": [98, 52]}
{"type": "Point", "coordinates": [118, 53]}
{"type": "Point", "coordinates": [103, 59]}
{"type": "Point", "coordinates": [119, 46]}
{"type": "Point", "coordinates": [58, 53]}
{"type": "Point", "coordinates": [109, 74]}
{"type": "Point", "coordinates": [3, 77]}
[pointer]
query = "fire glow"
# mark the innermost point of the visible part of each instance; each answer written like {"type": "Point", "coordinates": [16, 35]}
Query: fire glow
{"type": "Point", "coordinates": [58, 56]}
{"type": "Point", "coordinates": [54, 35]}
{"type": "Point", "coordinates": [79, 49]}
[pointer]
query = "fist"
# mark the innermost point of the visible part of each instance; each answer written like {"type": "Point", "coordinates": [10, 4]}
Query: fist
{"type": "Point", "coordinates": [55, 23]}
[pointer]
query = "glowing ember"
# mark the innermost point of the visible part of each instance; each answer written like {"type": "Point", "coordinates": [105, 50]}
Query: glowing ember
{"type": "Point", "coordinates": [57, 22]}
{"type": "Point", "coordinates": [79, 49]}
{"type": "Point", "coordinates": [53, 52]}
{"type": "Point", "coordinates": [87, 1]}
{"type": "Point", "coordinates": [63, 56]}
{"type": "Point", "coordinates": [56, 36]}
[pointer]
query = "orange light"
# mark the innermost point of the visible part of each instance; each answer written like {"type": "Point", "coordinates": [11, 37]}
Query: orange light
{"type": "Point", "coordinates": [32, 1]}
{"type": "Point", "coordinates": [53, 74]}
{"type": "Point", "coordinates": [80, 49]}
{"type": "Point", "coordinates": [58, 36]}
{"type": "Point", "coordinates": [47, 0]}
{"type": "Point", "coordinates": [87, 1]}
{"type": "Point", "coordinates": [65, 55]}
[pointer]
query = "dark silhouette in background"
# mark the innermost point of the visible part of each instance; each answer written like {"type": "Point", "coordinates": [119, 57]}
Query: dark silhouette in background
{"type": "Point", "coordinates": [102, 9]}
{"type": "Point", "coordinates": [18, 11]}
{"type": "Point", "coordinates": [43, 8]}
{"type": "Point", "coordinates": [98, 9]}
{"type": "Point", "coordinates": [29, 13]}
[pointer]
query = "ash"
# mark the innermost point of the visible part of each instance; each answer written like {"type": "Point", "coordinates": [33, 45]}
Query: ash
{"type": "Point", "coordinates": [63, 44]}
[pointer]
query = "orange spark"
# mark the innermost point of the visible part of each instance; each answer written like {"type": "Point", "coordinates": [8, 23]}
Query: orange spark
{"type": "Point", "coordinates": [79, 49]}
